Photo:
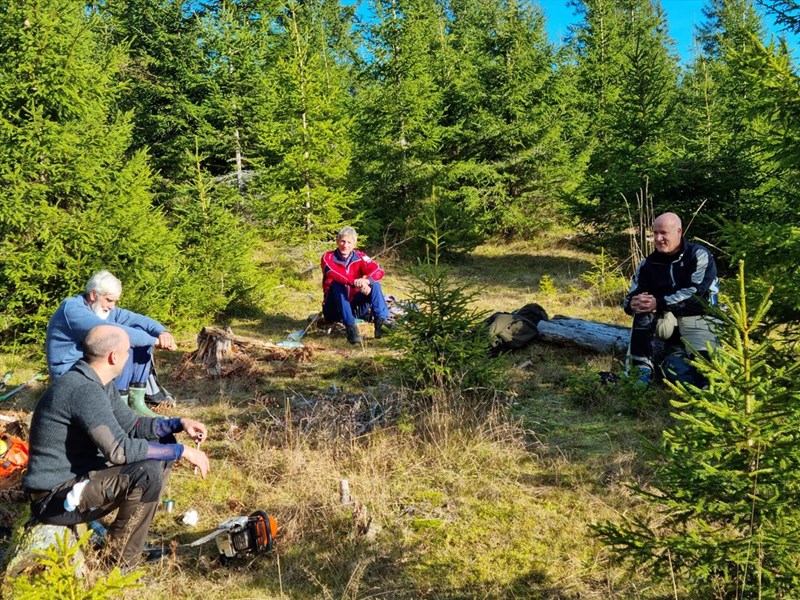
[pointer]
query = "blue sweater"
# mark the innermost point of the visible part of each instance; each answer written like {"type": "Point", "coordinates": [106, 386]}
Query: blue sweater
{"type": "Point", "coordinates": [73, 320]}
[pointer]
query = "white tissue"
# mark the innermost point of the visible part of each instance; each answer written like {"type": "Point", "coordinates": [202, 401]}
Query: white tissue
{"type": "Point", "coordinates": [74, 496]}
{"type": "Point", "coordinates": [190, 517]}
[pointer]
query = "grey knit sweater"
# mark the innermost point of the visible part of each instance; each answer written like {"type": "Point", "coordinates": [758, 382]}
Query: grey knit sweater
{"type": "Point", "coordinates": [78, 426]}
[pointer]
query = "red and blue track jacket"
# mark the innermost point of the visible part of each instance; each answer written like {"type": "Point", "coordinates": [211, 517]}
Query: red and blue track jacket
{"type": "Point", "coordinates": [346, 270]}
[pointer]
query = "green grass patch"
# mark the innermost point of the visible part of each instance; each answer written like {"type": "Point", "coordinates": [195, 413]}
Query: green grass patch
{"type": "Point", "coordinates": [496, 505]}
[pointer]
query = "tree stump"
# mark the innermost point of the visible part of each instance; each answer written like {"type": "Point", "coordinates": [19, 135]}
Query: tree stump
{"type": "Point", "coordinates": [213, 346]}
{"type": "Point", "coordinates": [217, 346]}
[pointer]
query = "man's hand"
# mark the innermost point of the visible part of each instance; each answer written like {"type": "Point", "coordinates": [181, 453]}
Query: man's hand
{"type": "Point", "coordinates": [198, 458]}
{"type": "Point", "coordinates": [165, 341]}
{"type": "Point", "coordinates": [195, 430]}
{"type": "Point", "coordinates": [363, 285]}
{"type": "Point", "coordinates": [643, 303]}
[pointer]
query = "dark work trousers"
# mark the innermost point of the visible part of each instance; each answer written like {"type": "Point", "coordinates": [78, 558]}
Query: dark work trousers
{"type": "Point", "coordinates": [133, 490]}
{"type": "Point", "coordinates": [137, 369]}
{"type": "Point", "coordinates": [643, 334]}
{"type": "Point", "coordinates": [338, 308]}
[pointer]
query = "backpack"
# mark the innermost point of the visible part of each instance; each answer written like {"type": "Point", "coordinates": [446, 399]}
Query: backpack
{"type": "Point", "coordinates": [13, 459]}
{"type": "Point", "coordinates": [511, 331]}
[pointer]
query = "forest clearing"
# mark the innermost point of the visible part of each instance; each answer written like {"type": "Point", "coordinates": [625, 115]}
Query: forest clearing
{"type": "Point", "coordinates": [206, 154]}
{"type": "Point", "coordinates": [496, 508]}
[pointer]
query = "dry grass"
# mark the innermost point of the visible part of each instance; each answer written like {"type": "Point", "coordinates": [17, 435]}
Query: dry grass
{"type": "Point", "coordinates": [499, 509]}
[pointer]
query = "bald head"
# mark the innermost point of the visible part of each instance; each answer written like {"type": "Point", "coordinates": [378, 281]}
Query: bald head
{"type": "Point", "coordinates": [668, 219]}
{"type": "Point", "coordinates": [102, 340]}
{"type": "Point", "coordinates": [667, 233]}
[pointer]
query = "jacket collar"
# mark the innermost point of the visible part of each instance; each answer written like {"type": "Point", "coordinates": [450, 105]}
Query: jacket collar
{"type": "Point", "coordinates": [352, 257]}
{"type": "Point", "coordinates": [671, 258]}
{"type": "Point", "coordinates": [89, 373]}
{"type": "Point", "coordinates": [84, 369]}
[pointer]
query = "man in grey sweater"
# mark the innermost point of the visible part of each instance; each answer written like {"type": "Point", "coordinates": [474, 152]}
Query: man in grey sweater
{"type": "Point", "coordinates": [90, 454]}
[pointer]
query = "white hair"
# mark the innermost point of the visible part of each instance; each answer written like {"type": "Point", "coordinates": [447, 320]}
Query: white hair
{"type": "Point", "coordinates": [104, 283]}
{"type": "Point", "coordinates": [347, 232]}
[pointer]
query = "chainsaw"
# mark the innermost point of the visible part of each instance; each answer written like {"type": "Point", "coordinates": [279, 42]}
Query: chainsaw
{"type": "Point", "coordinates": [243, 534]}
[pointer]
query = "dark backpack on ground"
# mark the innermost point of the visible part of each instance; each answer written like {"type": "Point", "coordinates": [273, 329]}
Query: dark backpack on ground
{"type": "Point", "coordinates": [511, 331]}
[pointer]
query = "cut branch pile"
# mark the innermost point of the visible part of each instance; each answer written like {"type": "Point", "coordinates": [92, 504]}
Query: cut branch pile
{"type": "Point", "coordinates": [224, 354]}
{"type": "Point", "coordinates": [335, 417]}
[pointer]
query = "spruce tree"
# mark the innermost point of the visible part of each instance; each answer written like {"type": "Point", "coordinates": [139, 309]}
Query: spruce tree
{"type": "Point", "coordinates": [763, 226]}
{"type": "Point", "coordinates": [727, 486]}
{"type": "Point", "coordinates": [237, 40]}
{"type": "Point", "coordinates": [507, 151]}
{"type": "Point", "coordinates": [72, 197]}
{"type": "Point", "coordinates": [626, 64]}
{"type": "Point", "coordinates": [165, 84]}
{"type": "Point", "coordinates": [443, 341]}
{"type": "Point", "coordinates": [399, 104]}
{"type": "Point", "coordinates": [721, 166]}
{"type": "Point", "coordinates": [304, 193]}
{"type": "Point", "coordinates": [216, 247]}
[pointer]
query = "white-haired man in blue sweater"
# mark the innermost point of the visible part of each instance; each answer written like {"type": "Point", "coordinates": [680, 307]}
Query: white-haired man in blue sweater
{"type": "Point", "coordinates": [97, 306]}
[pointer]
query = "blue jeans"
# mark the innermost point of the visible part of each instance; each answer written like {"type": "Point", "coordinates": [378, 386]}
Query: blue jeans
{"type": "Point", "coordinates": [137, 369]}
{"type": "Point", "coordinates": [338, 308]}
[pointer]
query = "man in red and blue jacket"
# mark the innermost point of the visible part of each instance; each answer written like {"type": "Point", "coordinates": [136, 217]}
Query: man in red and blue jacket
{"type": "Point", "coordinates": [351, 288]}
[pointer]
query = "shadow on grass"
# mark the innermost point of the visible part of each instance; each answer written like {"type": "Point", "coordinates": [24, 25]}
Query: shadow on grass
{"type": "Point", "coordinates": [279, 324]}
{"type": "Point", "coordinates": [256, 322]}
{"type": "Point", "coordinates": [270, 325]}
{"type": "Point", "coordinates": [356, 568]}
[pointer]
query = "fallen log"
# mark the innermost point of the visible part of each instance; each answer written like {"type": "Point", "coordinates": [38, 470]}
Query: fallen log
{"type": "Point", "coordinates": [590, 335]}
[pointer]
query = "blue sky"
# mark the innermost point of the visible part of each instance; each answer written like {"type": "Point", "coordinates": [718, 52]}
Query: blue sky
{"type": "Point", "coordinates": [682, 15]}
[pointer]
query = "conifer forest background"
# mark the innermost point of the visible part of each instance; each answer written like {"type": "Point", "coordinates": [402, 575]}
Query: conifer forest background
{"type": "Point", "coordinates": [206, 152]}
{"type": "Point", "coordinates": [166, 140]}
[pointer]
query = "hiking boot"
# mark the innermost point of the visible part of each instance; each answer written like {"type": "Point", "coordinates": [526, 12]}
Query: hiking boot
{"type": "Point", "coordinates": [381, 325]}
{"type": "Point", "coordinates": [353, 334]}
{"type": "Point", "coordinates": [644, 375]}
{"type": "Point", "coordinates": [160, 397]}
{"type": "Point", "coordinates": [153, 553]}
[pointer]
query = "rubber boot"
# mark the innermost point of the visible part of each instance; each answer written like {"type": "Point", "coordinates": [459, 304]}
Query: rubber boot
{"type": "Point", "coordinates": [124, 395]}
{"type": "Point", "coordinates": [136, 400]}
{"type": "Point", "coordinates": [353, 335]}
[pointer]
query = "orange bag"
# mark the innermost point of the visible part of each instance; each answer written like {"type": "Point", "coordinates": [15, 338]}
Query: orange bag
{"type": "Point", "coordinates": [13, 459]}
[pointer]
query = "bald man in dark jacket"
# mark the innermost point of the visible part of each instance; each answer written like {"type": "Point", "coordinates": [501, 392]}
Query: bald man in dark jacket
{"type": "Point", "coordinates": [669, 294]}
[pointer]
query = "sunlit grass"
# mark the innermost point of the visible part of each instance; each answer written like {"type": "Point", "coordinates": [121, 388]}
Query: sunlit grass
{"type": "Point", "coordinates": [497, 509]}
